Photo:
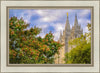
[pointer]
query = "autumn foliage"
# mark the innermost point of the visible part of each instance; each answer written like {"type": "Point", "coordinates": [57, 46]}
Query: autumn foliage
{"type": "Point", "coordinates": [25, 47]}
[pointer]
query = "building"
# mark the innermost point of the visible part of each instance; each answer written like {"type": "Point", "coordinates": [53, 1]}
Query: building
{"type": "Point", "coordinates": [67, 35]}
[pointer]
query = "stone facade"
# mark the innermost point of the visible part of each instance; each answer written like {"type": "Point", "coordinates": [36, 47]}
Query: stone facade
{"type": "Point", "coordinates": [67, 35]}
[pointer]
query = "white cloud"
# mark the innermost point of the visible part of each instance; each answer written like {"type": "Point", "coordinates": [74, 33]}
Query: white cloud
{"type": "Point", "coordinates": [85, 30]}
{"type": "Point", "coordinates": [44, 28]}
{"type": "Point", "coordinates": [83, 21]}
{"type": "Point", "coordinates": [26, 15]}
{"type": "Point", "coordinates": [84, 13]}
{"type": "Point", "coordinates": [88, 21]}
{"type": "Point", "coordinates": [56, 35]}
{"type": "Point", "coordinates": [46, 16]}
{"type": "Point", "coordinates": [51, 15]}
{"type": "Point", "coordinates": [59, 27]}
{"type": "Point", "coordinates": [40, 12]}
{"type": "Point", "coordinates": [48, 19]}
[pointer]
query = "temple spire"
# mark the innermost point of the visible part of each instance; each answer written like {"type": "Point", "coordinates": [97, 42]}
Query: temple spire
{"type": "Point", "coordinates": [76, 21]}
{"type": "Point", "coordinates": [67, 26]}
{"type": "Point", "coordinates": [67, 33]}
{"type": "Point", "coordinates": [67, 13]}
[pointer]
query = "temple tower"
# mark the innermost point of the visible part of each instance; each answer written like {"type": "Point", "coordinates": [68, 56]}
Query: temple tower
{"type": "Point", "coordinates": [67, 33]}
{"type": "Point", "coordinates": [76, 29]}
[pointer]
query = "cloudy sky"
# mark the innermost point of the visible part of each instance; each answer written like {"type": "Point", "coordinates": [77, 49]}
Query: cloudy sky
{"type": "Point", "coordinates": [52, 19]}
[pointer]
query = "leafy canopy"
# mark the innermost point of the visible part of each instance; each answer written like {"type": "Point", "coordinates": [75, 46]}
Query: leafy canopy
{"type": "Point", "coordinates": [26, 48]}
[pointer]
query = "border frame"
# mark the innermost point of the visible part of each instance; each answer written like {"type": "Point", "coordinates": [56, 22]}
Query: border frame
{"type": "Point", "coordinates": [51, 7]}
{"type": "Point", "coordinates": [50, 0]}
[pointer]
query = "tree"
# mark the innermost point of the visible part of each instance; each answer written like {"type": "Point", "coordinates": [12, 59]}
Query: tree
{"type": "Point", "coordinates": [81, 54]}
{"type": "Point", "coordinates": [26, 48]}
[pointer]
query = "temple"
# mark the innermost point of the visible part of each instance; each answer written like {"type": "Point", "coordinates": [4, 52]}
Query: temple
{"type": "Point", "coordinates": [67, 35]}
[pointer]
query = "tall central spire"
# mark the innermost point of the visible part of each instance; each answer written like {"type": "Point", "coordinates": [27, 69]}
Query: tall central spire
{"type": "Point", "coordinates": [67, 22]}
{"type": "Point", "coordinates": [67, 13]}
{"type": "Point", "coordinates": [67, 33]}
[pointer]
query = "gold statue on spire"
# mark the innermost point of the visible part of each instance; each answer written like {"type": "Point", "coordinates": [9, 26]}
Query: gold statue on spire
{"type": "Point", "coordinates": [67, 13]}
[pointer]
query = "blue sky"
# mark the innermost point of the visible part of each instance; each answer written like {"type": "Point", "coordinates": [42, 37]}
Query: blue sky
{"type": "Point", "coordinates": [52, 19]}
